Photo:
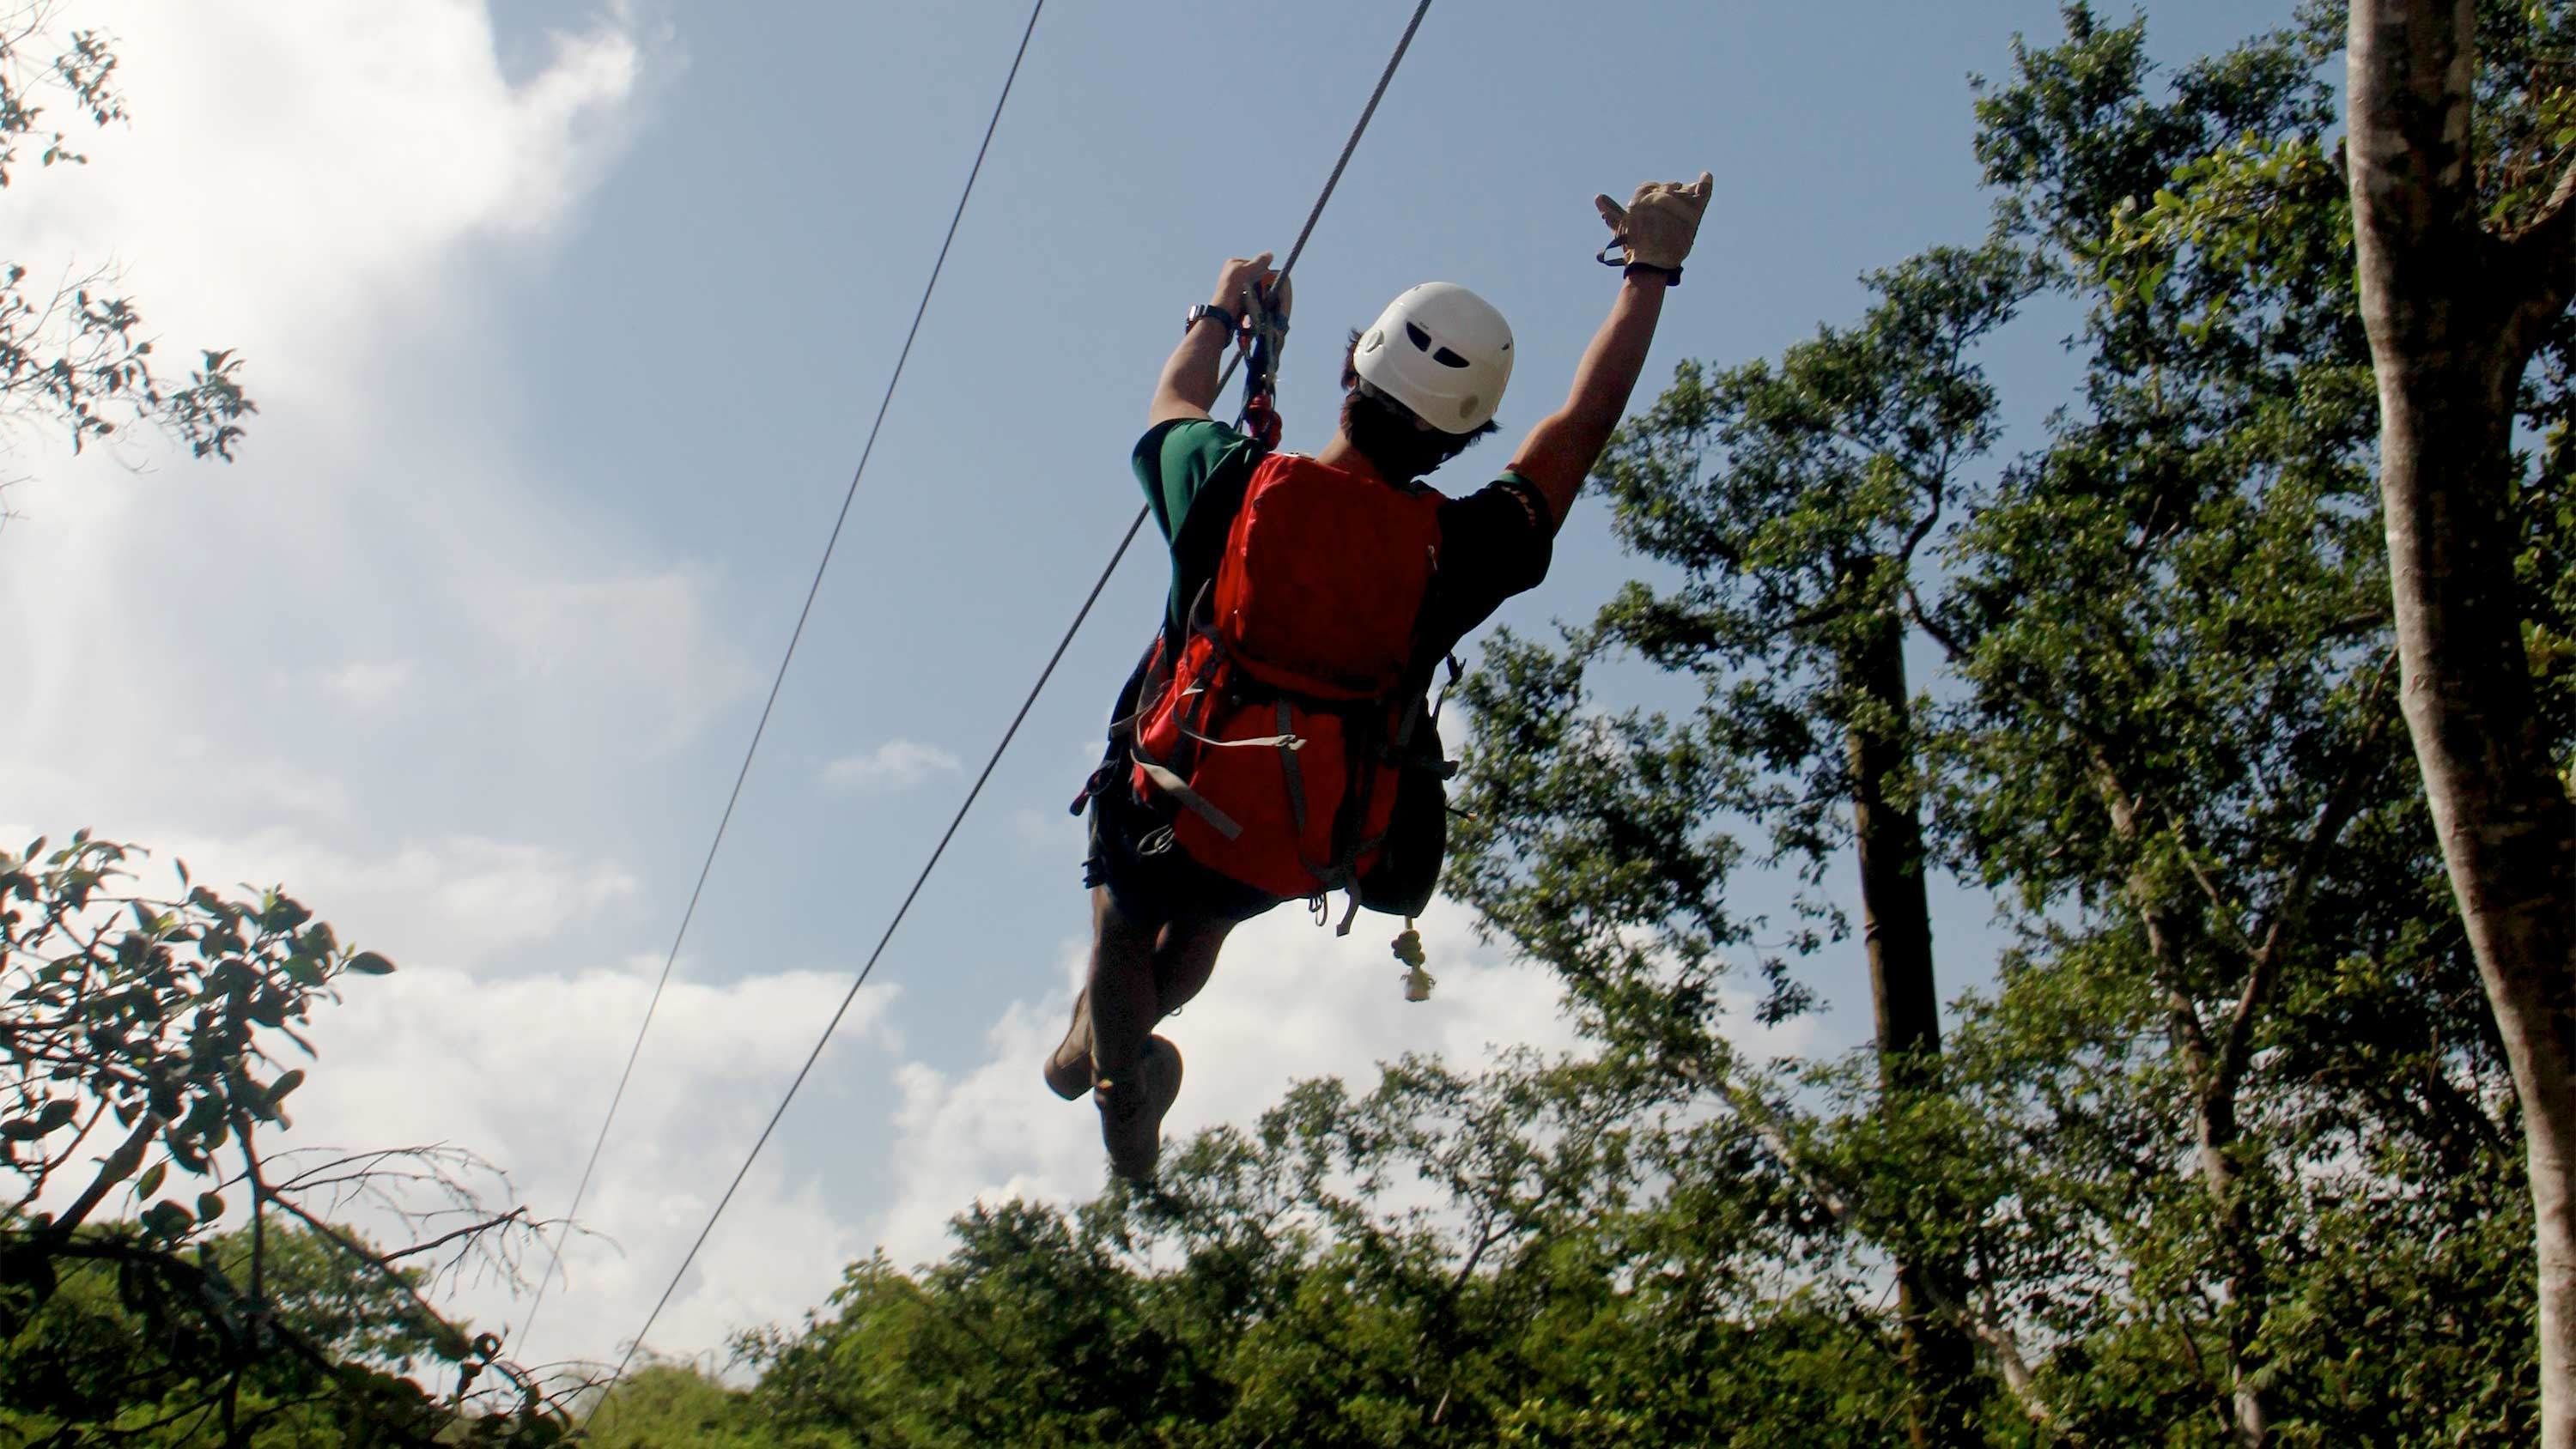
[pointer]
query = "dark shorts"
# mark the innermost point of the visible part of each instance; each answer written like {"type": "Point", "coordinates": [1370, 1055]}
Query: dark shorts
{"type": "Point", "coordinates": [1149, 876]}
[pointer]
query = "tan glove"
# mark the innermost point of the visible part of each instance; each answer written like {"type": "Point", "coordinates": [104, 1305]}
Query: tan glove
{"type": "Point", "coordinates": [1659, 223]}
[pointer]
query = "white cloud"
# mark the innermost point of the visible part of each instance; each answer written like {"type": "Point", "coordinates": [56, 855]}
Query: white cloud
{"type": "Point", "coordinates": [369, 685]}
{"type": "Point", "coordinates": [1043, 829]}
{"type": "Point", "coordinates": [521, 1070]}
{"type": "Point", "coordinates": [326, 187]}
{"type": "Point", "coordinates": [897, 764]}
{"type": "Point", "coordinates": [637, 648]}
{"type": "Point", "coordinates": [323, 187]}
{"type": "Point", "coordinates": [299, 169]}
{"type": "Point", "coordinates": [456, 902]}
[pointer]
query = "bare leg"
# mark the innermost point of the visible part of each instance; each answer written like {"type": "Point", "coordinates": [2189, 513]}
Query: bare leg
{"type": "Point", "coordinates": [1121, 994]}
{"type": "Point", "coordinates": [1137, 1073]}
{"type": "Point", "coordinates": [1184, 956]}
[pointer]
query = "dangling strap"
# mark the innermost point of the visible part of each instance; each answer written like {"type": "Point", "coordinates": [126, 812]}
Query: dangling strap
{"type": "Point", "coordinates": [1290, 770]}
{"type": "Point", "coordinates": [1284, 742]}
{"type": "Point", "coordinates": [1151, 674]}
{"type": "Point", "coordinates": [1441, 701]}
{"type": "Point", "coordinates": [1196, 803]}
{"type": "Point", "coordinates": [1342, 876]}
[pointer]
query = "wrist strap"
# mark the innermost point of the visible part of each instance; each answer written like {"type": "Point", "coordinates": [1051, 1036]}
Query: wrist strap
{"type": "Point", "coordinates": [1232, 323]}
{"type": "Point", "coordinates": [1672, 275]}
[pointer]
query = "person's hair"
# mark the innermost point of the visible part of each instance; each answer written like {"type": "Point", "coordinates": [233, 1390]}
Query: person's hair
{"type": "Point", "coordinates": [1396, 442]}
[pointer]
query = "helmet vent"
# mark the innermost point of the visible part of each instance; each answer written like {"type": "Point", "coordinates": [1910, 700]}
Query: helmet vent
{"type": "Point", "coordinates": [1421, 339]}
{"type": "Point", "coordinates": [1447, 358]}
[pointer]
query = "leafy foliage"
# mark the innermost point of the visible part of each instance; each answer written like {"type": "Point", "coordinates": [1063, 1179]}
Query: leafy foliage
{"type": "Point", "coordinates": [1445, 1260]}
{"type": "Point", "coordinates": [164, 1277]}
{"type": "Point", "coordinates": [73, 353]}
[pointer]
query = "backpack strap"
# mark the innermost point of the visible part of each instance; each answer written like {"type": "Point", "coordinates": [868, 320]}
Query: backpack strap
{"type": "Point", "coordinates": [1180, 791]}
{"type": "Point", "coordinates": [1289, 767]}
{"type": "Point", "coordinates": [1200, 545]}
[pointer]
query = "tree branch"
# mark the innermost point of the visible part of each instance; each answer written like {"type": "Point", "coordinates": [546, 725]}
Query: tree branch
{"type": "Point", "coordinates": [515, 1214]}
{"type": "Point", "coordinates": [438, 1321]}
{"type": "Point", "coordinates": [2161, 948]}
{"type": "Point", "coordinates": [204, 1287]}
{"type": "Point", "coordinates": [2236, 1045]}
{"type": "Point", "coordinates": [119, 1166]}
{"type": "Point", "coordinates": [2541, 256]}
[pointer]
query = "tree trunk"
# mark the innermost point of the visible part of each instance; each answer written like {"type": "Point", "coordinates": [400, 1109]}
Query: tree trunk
{"type": "Point", "coordinates": [1896, 917]}
{"type": "Point", "coordinates": [2214, 1124]}
{"type": "Point", "coordinates": [2453, 313]}
{"type": "Point", "coordinates": [2214, 1068]}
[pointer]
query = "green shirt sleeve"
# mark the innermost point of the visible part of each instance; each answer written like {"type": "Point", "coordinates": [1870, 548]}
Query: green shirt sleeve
{"type": "Point", "coordinates": [1175, 460]}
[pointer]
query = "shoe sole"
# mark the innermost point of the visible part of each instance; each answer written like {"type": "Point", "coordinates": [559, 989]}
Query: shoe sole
{"type": "Point", "coordinates": [1163, 1085]}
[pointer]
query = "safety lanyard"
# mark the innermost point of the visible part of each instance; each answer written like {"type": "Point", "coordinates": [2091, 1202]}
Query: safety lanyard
{"type": "Point", "coordinates": [1264, 333]}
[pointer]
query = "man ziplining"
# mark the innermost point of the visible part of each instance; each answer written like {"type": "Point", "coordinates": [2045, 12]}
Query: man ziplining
{"type": "Point", "coordinates": [1275, 743]}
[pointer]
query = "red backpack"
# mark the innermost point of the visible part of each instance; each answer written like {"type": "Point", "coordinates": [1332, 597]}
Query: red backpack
{"type": "Point", "coordinates": [1285, 721]}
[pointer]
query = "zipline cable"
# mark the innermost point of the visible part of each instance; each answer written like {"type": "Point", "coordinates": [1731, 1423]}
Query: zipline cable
{"type": "Point", "coordinates": [636, 1344]}
{"type": "Point", "coordinates": [707, 866]}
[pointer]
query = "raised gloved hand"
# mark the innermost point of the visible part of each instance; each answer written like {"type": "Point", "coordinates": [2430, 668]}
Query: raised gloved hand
{"type": "Point", "coordinates": [1240, 276]}
{"type": "Point", "coordinates": [1659, 223]}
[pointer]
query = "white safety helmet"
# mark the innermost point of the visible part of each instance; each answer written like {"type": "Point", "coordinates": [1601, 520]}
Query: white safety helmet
{"type": "Point", "coordinates": [1442, 351]}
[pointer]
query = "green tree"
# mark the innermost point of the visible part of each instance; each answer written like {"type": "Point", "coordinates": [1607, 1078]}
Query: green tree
{"type": "Point", "coordinates": [2224, 1155]}
{"type": "Point", "coordinates": [1538, 1254]}
{"type": "Point", "coordinates": [2170, 625]}
{"type": "Point", "coordinates": [679, 1406]}
{"type": "Point", "coordinates": [2167, 741]}
{"type": "Point", "coordinates": [73, 352]}
{"type": "Point", "coordinates": [2464, 214]}
{"type": "Point", "coordinates": [140, 1040]}
{"type": "Point", "coordinates": [1794, 500]}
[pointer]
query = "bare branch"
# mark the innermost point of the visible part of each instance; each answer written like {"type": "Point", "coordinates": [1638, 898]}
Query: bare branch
{"type": "Point", "coordinates": [514, 1215]}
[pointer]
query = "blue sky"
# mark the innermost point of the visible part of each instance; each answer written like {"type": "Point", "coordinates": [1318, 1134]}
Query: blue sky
{"type": "Point", "coordinates": [567, 322]}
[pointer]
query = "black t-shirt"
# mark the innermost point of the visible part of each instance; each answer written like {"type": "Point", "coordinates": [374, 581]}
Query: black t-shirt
{"type": "Point", "coordinates": [1494, 542]}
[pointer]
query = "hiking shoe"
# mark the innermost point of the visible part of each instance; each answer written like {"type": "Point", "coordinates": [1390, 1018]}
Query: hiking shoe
{"type": "Point", "coordinates": [1068, 1068]}
{"type": "Point", "coordinates": [1131, 1110]}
